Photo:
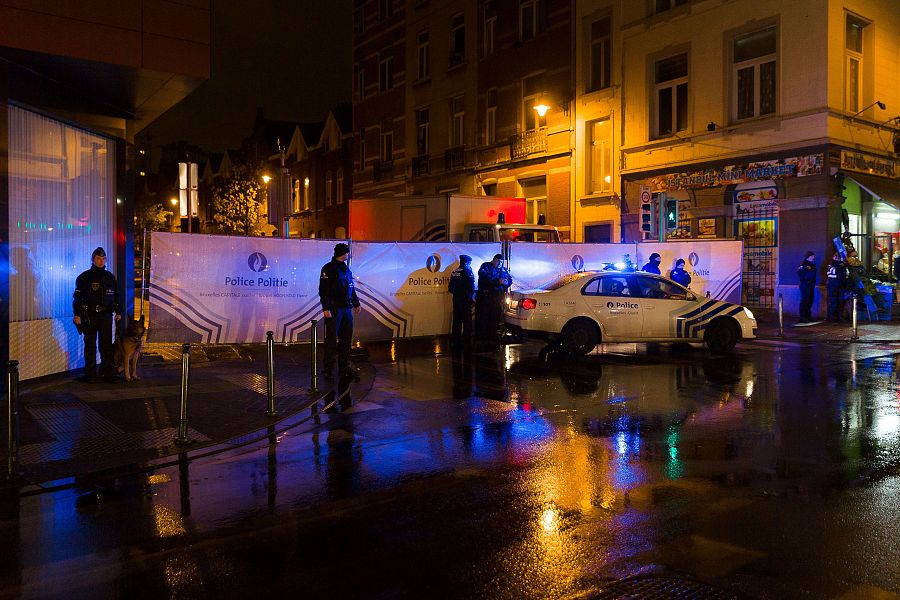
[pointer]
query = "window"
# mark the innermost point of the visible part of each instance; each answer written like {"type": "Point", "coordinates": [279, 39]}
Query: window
{"type": "Point", "coordinates": [754, 74]}
{"type": "Point", "coordinates": [385, 9]}
{"type": "Point", "coordinates": [457, 121]}
{"type": "Point", "coordinates": [671, 95]}
{"type": "Point", "coordinates": [423, 125]}
{"type": "Point", "coordinates": [657, 288]}
{"type": "Point", "coordinates": [339, 195]}
{"type": "Point", "coordinates": [387, 143]}
{"type": "Point", "coordinates": [386, 74]}
{"type": "Point", "coordinates": [424, 56]}
{"type": "Point", "coordinates": [853, 53]}
{"type": "Point", "coordinates": [359, 17]}
{"type": "Point", "coordinates": [490, 117]}
{"type": "Point", "coordinates": [598, 176]}
{"type": "Point", "coordinates": [532, 88]}
{"type": "Point", "coordinates": [535, 192]}
{"type": "Point", "coordinates": [489, 189]}
{"type": "Point", "coordinates": [360, 81]}
{"type": "Point", "coordinates": [531, 19]}
{"type": "Point", "coordinates": [457, 40]}
{"type": "Point", "coordinates": [306, 193]}
{"type": "Point", "coordinates": [490, 28]}
{"type": "Point", "coordinates": [296, 194]}
{"type": "Point", "coordinates": [362, 150]}
{"type": "Point", "coordinates": [329, 198]}
{"type": "Point", "coordinates": [599, 63]}
{"type": "Point", "coordinates": [615, 286]}
{"type": "Point", "coordinates": [664, 5]}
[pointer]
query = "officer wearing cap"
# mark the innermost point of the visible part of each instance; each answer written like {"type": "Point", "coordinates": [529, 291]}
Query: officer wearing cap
{"type": "Point", "coordinates": [95, 300]}
{"type": "Point", "coordinates": [493, 282]}
{"type": "Point", "coordinates": [339, 302]}
{"type": "Point", "coordinates": [462, 288]}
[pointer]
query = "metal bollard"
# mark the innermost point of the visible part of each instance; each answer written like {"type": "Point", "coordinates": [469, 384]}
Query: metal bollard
{"type": "Point", "coordinates": [313, 349]}
{"type": "Point", "coordinates": [855, 335]}
{"type": "Point", "coordinates": [780, 315]}
{"type": "Point", "coordinates": [270, 364]}
{"type": "Point", "coordinates": [185, 380]}
{"type": "Point", "coordinates": [12, 423]}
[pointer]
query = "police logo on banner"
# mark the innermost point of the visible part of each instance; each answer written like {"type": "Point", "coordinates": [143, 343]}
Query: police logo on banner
{"type": "Point", "coordinates": [693, 258]}
{"type": "Point", "coordinates": [258, 262]}
{"type": "Point", "coordinates": [433, 263]}
{"type": "Point", "coordinates": [578, 263]}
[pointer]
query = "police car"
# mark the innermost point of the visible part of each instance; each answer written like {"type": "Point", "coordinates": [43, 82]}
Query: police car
{"type": "Point", "coordinates": [583, 309]}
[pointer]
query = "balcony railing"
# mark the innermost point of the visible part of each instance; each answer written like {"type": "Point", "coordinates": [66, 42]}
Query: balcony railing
{"type": "Point", "coordinates": [421, 165]}
{"type": "Point", "coordinates": [455, 59]}
{"type": "Point", "coordinates": [533, 141]}
{"type": "Point", "coordinates": [382, 169]}
{"type": "Point", "coordinates": [455, 158]}
{"type": "Point", "coordinates": [493, 155]}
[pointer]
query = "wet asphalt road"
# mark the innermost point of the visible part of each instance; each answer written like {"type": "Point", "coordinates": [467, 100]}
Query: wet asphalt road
{"type": "Point", "coordinates": [773, 472]}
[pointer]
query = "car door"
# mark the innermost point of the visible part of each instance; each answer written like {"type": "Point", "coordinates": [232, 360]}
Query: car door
{"type": "Point", "coordinates": [611, 299]}
{"type": "Point", "coordinates": [663, 304]}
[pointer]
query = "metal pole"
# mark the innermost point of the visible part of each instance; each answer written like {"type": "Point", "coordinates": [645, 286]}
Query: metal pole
{"type": "Point", "coordinates": [780, 315]}
{"type": "Point", "coordinates": [313, 349]}
{"type": "Point", "coordinates": [143, 270]}
{"type": "Point", "coordinates": [185, 379]}
{"type": "Point", "coordinates": [287, 228]}
{"type": "Point", "coordinates": [12, 422]}
{"type": "Point", "coordinates": [270, 364]}
{"type": "Point", "coordinates": [855, 321]}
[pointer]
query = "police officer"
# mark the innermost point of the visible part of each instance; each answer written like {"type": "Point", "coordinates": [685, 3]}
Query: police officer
{"type": "Point", "coordinates": [806, 276]}
{"type": "Point", "coordinates": [462, 287]}
{"type": "Point", "coordinates": [339, 303]}
{"type": "Point", "coordinates": [836, 282]}
{"type": "Point", "coordinates": [679, 275]}
{"type": "Point", "coordinates": [95, 300]}
{"type": "Point", "coordinates": [652, 265]}
{"type": "Point", "coordinates": [493, 281]}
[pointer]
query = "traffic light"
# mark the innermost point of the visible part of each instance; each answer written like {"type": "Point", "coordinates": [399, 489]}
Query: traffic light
{"type": "Point", "coordinates": [838, 187]}
{"type": "Point", "coordinates": [671, 213]}
{"type": "Point", "coordinates": [646, 212]}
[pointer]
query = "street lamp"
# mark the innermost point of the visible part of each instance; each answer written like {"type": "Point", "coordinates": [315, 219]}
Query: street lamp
{"type": "Point", "coordinates": [541, 109]}
{"type": "Point", "coordinates": [266, 179]}
{"type": "Point", "coordinates": [174, 201]}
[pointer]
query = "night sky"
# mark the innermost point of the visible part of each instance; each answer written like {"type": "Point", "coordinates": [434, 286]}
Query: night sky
{"type": "Point", "coordinates": [291, 57]}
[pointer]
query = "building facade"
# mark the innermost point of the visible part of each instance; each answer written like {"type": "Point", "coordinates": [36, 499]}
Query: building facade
{"type": "Point", "coordinates": [77, 82]}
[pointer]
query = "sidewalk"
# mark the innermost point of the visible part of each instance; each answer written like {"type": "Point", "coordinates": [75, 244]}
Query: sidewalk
{"type": "Point", "coordinates": [883, 332]}
{"type": "Point", "coordinates": [70, 428]}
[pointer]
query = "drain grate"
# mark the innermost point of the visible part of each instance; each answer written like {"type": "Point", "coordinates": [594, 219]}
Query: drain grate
{"type": "Point", "coordinates": [655, 587]}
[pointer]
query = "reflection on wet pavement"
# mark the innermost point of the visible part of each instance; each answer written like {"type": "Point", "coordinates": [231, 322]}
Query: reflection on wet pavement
{"type": "Point", "coordinates": [514, 475]}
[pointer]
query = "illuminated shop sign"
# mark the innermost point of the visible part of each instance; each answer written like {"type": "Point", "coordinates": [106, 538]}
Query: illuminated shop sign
{"type": "Point", "coordinates": [796, 166]}
{"type": "Point", "coordinates": [868, 163]}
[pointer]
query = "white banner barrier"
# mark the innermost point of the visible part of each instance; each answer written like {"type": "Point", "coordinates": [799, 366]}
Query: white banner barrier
{"type": "Point", "coordinates": [222, 289]}
{"type": "Point", "coordinates": [714, 266]}
{"type": "Point", "coordinates": [402, 286]}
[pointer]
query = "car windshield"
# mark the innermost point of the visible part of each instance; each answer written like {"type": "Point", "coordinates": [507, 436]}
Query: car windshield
{"type": "Point", "coordinates": [564, 280]}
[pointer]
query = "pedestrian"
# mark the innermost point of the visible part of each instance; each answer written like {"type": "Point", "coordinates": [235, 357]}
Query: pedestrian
{"type": "Point", "coordinates": [493, 282]}
{"type": "Point", "coordinates": [339, 303]}
{"type": "Point", "coordinates": [462, 288]}
{"type": "Point", "coordinates": [806, 276]}
{"type": "Point", "coordinates": [652, 265]}
{"type": "Point", "coordinates": [897, 265]}
{"type": "Point", "coordinates": [679, 275]}
{"type": "Point", "coordinates": [836, 283]}
{"type": "Point", "coordinates": [95, 301]}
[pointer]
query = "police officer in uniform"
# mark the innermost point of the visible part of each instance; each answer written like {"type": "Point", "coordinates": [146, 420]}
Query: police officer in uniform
{"type": "Point", "coordinates": [652, 265]}
{"type": "Point", "coordinates": [493, 281]}
{"type": "Point", "coordinates": [806, 275]}
{"type": "Point", "coordinates": [95, 300]}
{"type": "Point", "coordinates": [836, 282]}
{"type": "Point", "coordinates": [679, 275]}
{"type": "Point", "coordinates": [339, 303]}
{"type": "Point", "coordinates": [462, 287]}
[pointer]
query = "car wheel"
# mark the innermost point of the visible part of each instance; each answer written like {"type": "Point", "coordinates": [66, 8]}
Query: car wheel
{"type": "Point", "coordinates": [721, 336]}
{"type": "Point", "coordinates": [580, 337]}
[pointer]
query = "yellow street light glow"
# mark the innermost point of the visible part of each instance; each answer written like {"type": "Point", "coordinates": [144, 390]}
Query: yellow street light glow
{"type": "Point", "coordinates": [174, 201]}
{"type": "Point", "coordinates": [306, 182]}
{"type": "Point", "coordinates": [266, 179]}
{"type": "Point", "coordinates": [541, 109]}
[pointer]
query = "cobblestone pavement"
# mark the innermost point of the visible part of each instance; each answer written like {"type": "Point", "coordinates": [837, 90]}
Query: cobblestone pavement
{"type": "Point", "coordinates": [69, 427]}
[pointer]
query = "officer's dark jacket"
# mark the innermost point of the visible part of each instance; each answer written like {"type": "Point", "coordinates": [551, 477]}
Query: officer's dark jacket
{"type": "Point", "coordinates": [493, 279]}
{"type": "Point", "coordinates": [806, 273]}
{"type": "Point", "coordinates": [95, 292]}
{"type": "Point", "coordinates": [651, 267]}
{"type": "Point", "coordinates": [680, 276]}
{"type": "Point", "coordinates": [336, 289]}
{"type": "Point", "coordinates": [462, 283]}
{"type": "Point", "coordinates": [837, 273]}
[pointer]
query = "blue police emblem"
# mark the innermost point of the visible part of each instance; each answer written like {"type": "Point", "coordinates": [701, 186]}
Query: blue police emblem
{"type": "Point", "coordinates": [610, 305]}
{"type": "Point", "coordinates": [258, 262]}
{"type": "Point", "coordinates": [578, 262]}
{"type": "Point", "coordinates": [693, 259]}
{"type": "Point", "coordinates": [433, 263]}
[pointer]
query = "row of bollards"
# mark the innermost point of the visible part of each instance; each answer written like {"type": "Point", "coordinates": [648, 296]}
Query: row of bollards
{"type": "Point", "coordinates": [855, 318]}
{"type": "Point", "coordinates": [182, 438]}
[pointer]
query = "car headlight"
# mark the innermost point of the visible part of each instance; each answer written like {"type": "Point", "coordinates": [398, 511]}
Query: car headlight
{"type": "Point", "coordinates": [749, 314]}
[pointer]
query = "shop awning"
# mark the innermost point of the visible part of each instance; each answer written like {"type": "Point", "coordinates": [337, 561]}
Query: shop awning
{"type": "Point", "coordinates": [887, 190]}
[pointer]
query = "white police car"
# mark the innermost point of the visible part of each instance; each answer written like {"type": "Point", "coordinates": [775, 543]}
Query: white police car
{"type": "Point", "coordinates": [583, 309]}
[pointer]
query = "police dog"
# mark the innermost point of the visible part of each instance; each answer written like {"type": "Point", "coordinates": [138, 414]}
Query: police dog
{"type": "Point", "coordinates": [128, 349]}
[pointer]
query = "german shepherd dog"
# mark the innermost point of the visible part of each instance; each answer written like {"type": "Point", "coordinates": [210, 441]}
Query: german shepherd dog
{"type": "Point", "coordinates": [128, 349]}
